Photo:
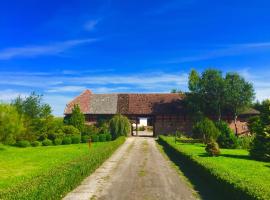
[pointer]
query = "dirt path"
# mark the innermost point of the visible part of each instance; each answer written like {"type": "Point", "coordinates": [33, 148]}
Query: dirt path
{"type": "Point", "coordinates": [137, 171]}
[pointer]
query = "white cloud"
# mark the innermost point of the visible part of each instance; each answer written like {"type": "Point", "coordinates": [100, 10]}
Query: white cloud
{"type": "Point", "coordinates": [91, 24]}
{"type": "Point", "coordinates": [66, 89]}
{"type": "Point", "coordinates": [38, 50]}
{"type": "Point", "coordinates": [8, 95]}
{"type": "Point", "coordinates": [224, 51]}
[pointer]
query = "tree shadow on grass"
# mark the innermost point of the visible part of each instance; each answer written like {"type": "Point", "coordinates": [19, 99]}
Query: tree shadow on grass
{"type": "Point", "coordinates": [201, 184]}
{"type": "Point", "coordinates": [245, 157]}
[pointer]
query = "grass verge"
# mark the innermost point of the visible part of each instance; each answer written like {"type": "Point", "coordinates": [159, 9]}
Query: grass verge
{"type": "Point", "coordinates": [49, 172]}
{"type": "Point", "coordinates": [232, 175]}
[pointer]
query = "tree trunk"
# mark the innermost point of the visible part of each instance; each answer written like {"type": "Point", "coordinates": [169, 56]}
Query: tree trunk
{"type": "Point", "coordinates": [235, 124]}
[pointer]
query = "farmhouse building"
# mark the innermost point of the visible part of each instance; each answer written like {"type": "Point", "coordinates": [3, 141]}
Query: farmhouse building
{"type": "Point", "coordinates": [165, 112]}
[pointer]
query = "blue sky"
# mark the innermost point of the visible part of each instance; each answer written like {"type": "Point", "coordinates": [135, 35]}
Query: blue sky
{"type": "Point", "coordinates": [59, 48]}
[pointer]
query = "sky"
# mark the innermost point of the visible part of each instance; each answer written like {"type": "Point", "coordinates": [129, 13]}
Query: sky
{"type": "Point", "coordinates": [60, 48]}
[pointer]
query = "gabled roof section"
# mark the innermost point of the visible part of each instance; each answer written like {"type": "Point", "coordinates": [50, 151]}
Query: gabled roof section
{"type": "Point", "coordinates": [83, 100]}
{"type": "Point", "coordinates": [103, 104]}
{"type": "Point", "coordinates": [128, 104]}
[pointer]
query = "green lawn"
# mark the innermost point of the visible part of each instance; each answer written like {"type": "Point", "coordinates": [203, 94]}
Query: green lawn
{"type": "Point", "coordinates": [233, 167]}
{"type": "Point", "coordinates": [29, 173]}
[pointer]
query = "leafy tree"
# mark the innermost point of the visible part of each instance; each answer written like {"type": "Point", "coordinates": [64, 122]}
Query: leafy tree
{"type": "Point", "coordinates": [77, 118]}
{"type": "Point", "coordinates": [238, 94]}
{"type": "Point", "coordinates": [11, 125]}
{"type": "Point", "coordinates": [212, 92]}
{"type": "Point", "coordinates": [119, 126]}
{"type": "Point", "coordinates": [194, 81]}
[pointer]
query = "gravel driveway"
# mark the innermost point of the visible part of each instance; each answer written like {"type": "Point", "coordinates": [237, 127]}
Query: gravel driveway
{"type": "Point", "coordinates": [137, 170]}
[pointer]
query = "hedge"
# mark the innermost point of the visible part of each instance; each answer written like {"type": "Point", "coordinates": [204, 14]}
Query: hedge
{"type": "Point", "coordinates": [54, 184]}
{"type": "Point", "coordinates": [216, 176]}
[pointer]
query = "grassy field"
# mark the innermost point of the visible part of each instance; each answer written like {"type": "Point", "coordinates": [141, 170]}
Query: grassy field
{"type": "Point", "coordinates": [233, 169]}
{"type": "Point", "coordinates": [49, 172]}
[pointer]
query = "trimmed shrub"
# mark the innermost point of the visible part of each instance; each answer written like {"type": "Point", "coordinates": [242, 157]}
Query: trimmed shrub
{"type": "Point", "coordinates": [212, 148]}
{"type": "Point", "coordinates": [23, 143]}
{"type": "Point", "coordinates": [102, 137]}
{"type": "Point", "coordinates": [206, 130]}
{"type": "Point", "coordinates": [260, 148]}
{"type": "Point", "coordinates": [47, 142]}
{"type": "Point", "coordinates": [90, 130]}
{"type": "Point", "coordinates": [226, 139]}
{"type": "Point", "coordinates": [75, 139]}
{"type": "Point", "coordinates": [35, 144]}
{"type": "Point", "coordinates": [85, 138]}
{"type": "Point", "coordinates": [95, 138]}
{"type": "Point", "coordinates": [66, 140]}
{"type": "Point", "coordinates": [58, 141]}
{"type": "Point", "coordinates": [70, 130]}
{"type": "Point", "coordinates": [119, 126]}
{"type": "Point", "coordinates": [108, 137]}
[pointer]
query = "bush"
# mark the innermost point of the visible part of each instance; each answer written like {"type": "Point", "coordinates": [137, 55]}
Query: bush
{"type": "Point", "coordinates": [90, 130]}
{"type": "Point", "coordinates": [206, 130]}
{"type": "Point", "coordinates": [47, 142]}
{"type": "Point", "coordinates": [212, 148]}
{"type": "Point", "coordinates": [70, 130]}
{"type": "Point", "coordinates": [102, 137]}
{"type": "Point", "coordinates": [66, 140]}
{"type": "Point", "coordinates": [226, 139]}
{"type": "Point", "coordinates": [35, 144]}
{"type": "Point", "coordinates": [75, 139]}
{"type": "Point", "coordinates": [108, 137]}
{"type": "Point", "coordinates": [85, 138]}
{"type": "Point", "coordinates": [260, 148]}
{"type": "Point", "coordinates": [58, 141]}
{"type": "Point", "coordinates": [245, 142]}
{"type": "Point", "coordinates": [95, 138]}
{"type": "Point", "coordinates": [141, 128]}
{"type": "Point", "coordinates": [23, 143]}
{"type": "Point", "coordinates": [119, 126]}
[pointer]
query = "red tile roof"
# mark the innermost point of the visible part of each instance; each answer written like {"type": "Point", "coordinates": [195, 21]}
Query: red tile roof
{"type": "Point", "coordinates": [83, 100]}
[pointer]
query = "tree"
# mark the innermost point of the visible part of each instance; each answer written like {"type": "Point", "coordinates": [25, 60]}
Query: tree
{"type": "Point", "coordinates": [260, 148]}
{"type": "Point", "coordinates": [77, 118]}
{"type": "Point", "coordinates": [226, 139]}
{"type": "Point", "coordinates": [239, 94]}
{"type": "Point", "coordinates": [212, 92]}
{"type": "Point", "coordinates": [11, 124]}
{"type": "Point", "coordinates": [194, 81]}
{"type": "Point", "coordinates": [119, 126]}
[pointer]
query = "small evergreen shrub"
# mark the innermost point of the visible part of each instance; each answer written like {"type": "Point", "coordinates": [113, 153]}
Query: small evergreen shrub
{"type": "Point", "coordinates": [108, 137]}
{"type": "Point", "coordinates": [260, 148]}
{"type": "Point", "coordinates": [205, 130]}
{"type": "Point", "coordinates": [66, 140]}
{"type": "Point", "coordinates": [212, 148]}
{"type": "Point", "coordinates": [95, 138]}
{"type": "Point", "coordinates": [23, 143]}
{"type": "Point", "coordinates": [85, 138]}
{"type": "Point", "coordinates": [35, 144]}
{"type": "Point", "coordinates": [58, 141]}
{"type": "Point", "coordinates": [226, 139]}
{"type": "Point", "coordinates": [47, 142]}
{"type": "Point", "coordinates": [75, 139]}
{"type": "Point", "coordinates": [102, 137]}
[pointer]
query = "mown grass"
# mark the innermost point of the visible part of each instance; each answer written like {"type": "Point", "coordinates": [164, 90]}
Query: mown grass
{"type": "Point", "coordinates": [49, 172]}
{"type": "Point", "coordinates": [233, 173]}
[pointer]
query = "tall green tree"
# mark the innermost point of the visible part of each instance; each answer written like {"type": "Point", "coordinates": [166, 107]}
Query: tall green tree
{"type": "Point", "coordinates": [11, 125]}
{"type": "Point", "coordinates": [77, 118]}
{"type": "Point", "coordinates": [212, 92]}
{"type": "Point", "coordinates": [119, 126]}
{"type": "Point", "coordinates": [239, 94]}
